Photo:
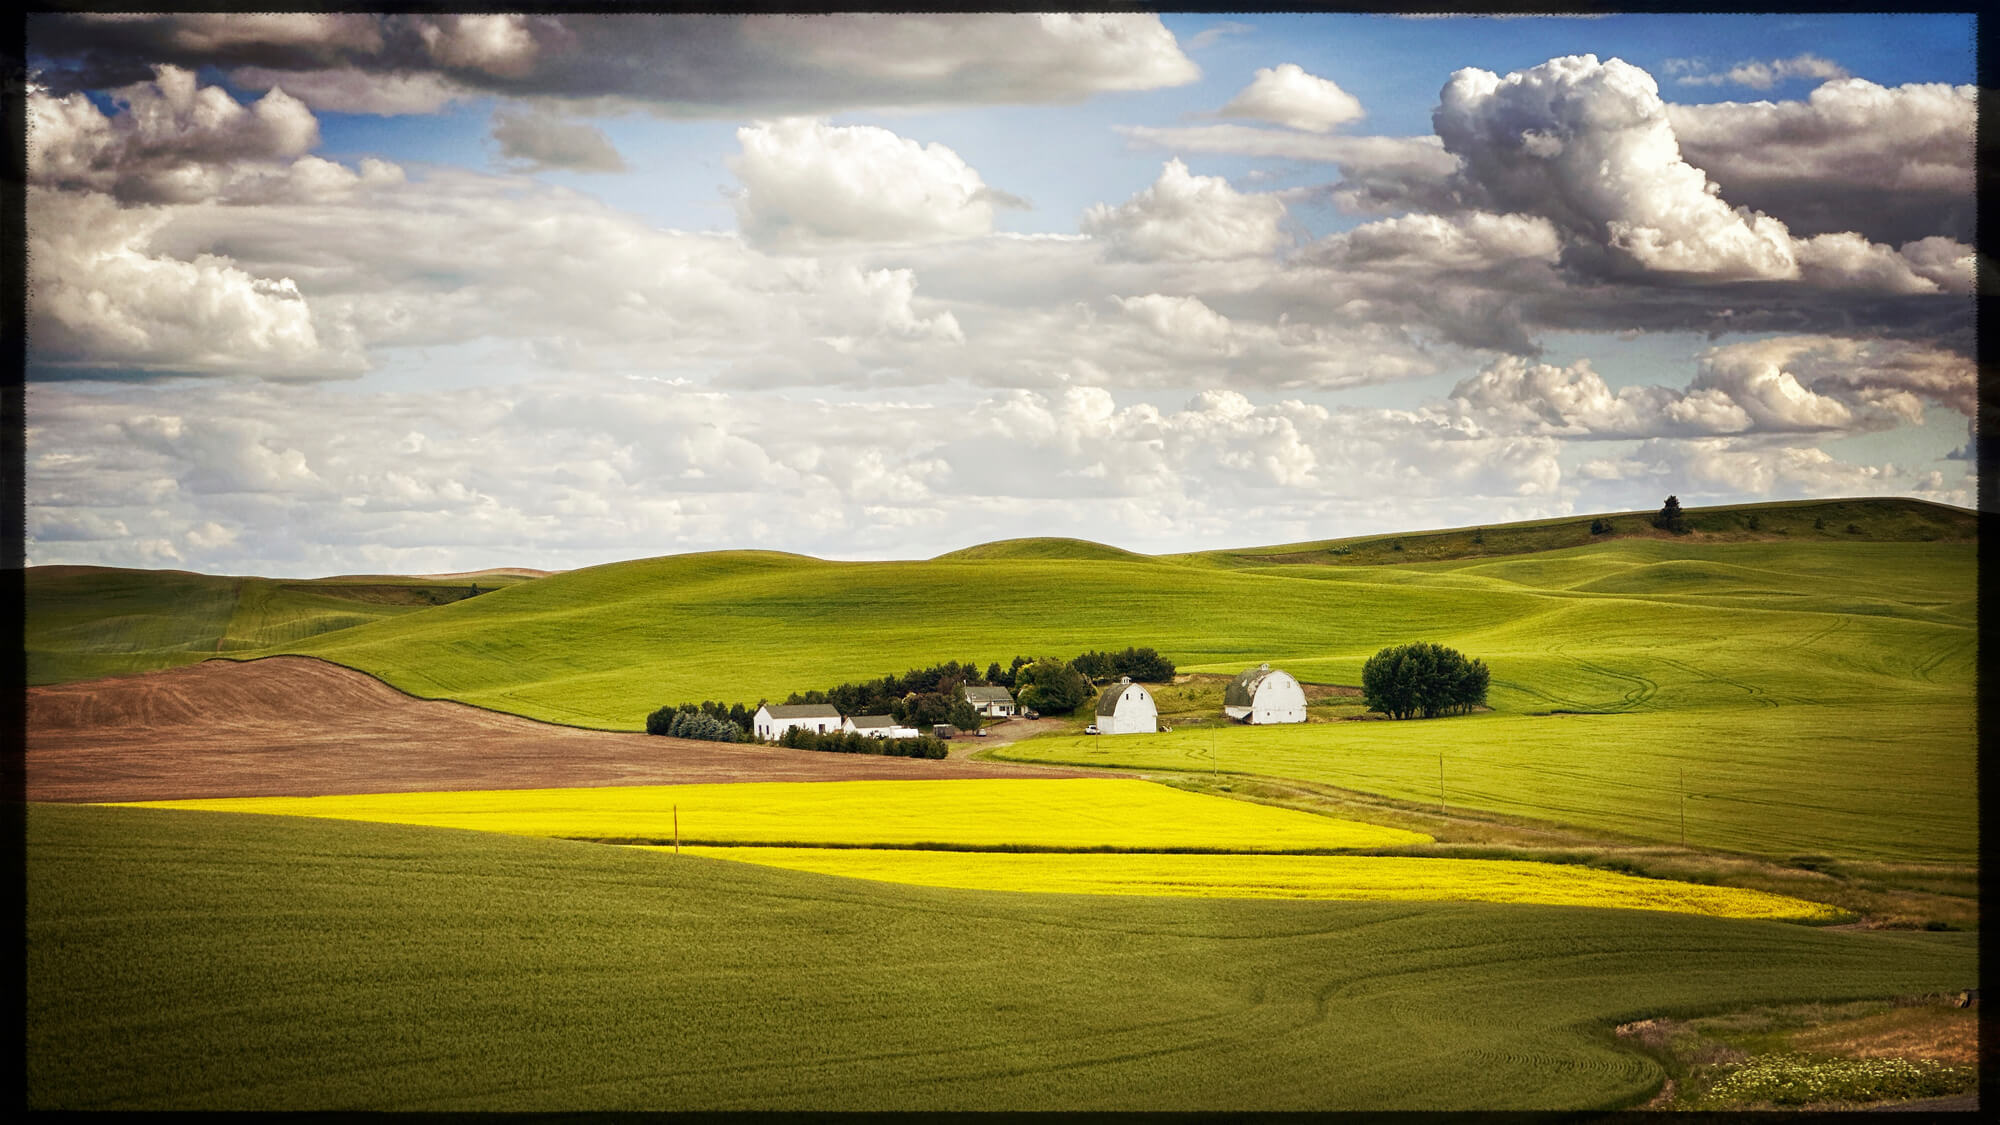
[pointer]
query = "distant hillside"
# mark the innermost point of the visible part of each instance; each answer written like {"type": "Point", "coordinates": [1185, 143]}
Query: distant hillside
{"type": "Point", "coordinates": [1042, 548]}
{"type": "Point", "coordinates": [89, 621]}
{"type": "Point", "coordinates": [1892, 519]}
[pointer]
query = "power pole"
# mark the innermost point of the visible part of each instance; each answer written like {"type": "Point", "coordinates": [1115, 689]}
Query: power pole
{"type": "Point", "coordinates": [1440, 781]}
{"type": "Point", "coordinates": [677, 830]}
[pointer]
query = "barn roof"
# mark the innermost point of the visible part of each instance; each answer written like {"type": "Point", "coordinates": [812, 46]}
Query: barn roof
{"type": "Point", "coordinates": [1242, 690]}
{"type": "Point", "coordinates": [995, 694]}
{"type": "Point", "coordinates": [1107, 704]}
{"type": "Point", "coordinates": [802, 710]}
{"type": "Point", "coordinates": [872, 722]}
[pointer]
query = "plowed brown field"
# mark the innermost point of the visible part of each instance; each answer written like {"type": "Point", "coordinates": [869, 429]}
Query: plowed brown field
{"type": "Point", "coordinates": [294, 726]}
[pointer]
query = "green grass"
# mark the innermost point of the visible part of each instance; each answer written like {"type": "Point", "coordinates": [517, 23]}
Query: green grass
{"type": "Point", "coordinates": [1817, 688]}
{"type": "Point", "coordinates": [201, 960]}
{"type": "Point", "coordinates": [1876, 519]}
{"type": "Point", "coordinates": [85, 622]}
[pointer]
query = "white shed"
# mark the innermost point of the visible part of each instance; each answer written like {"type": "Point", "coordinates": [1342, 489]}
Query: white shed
{"type": "Point", "coordinates": [1265, 695]}
{"type": "Point", "coordinates": [877, 726]}
{"type": "Point", "coordinates": [1127, 708]}
{"type": "Point", "coordinates": [773, 720]}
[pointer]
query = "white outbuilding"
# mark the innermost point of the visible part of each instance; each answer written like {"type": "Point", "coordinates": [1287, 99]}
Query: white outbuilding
{"type": "Point", "coordinates": [1265, 695]}
{"type": "Point", "coordinates": [1127, 708]}
{"type": "Point", "coordinates": [774, 720]}
{"type": "Point", "coordinates": [878, 726]}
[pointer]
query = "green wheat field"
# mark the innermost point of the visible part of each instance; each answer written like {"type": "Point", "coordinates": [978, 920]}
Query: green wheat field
{"type": "Point", "coordinates": [1791, 698]}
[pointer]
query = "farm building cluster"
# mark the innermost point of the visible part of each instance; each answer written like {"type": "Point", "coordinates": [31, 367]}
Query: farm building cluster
{"type": "Point", "coordinates": [1259, 695]}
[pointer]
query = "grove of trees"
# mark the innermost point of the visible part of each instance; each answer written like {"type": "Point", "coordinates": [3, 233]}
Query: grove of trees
{"type": "Point", "coordinates": [925, 697]}
{"type": "Point", "coordinates": [1051, 686]}
{"type": "Point", "coordinates": [709, 721]}
{"type": "Point", "coordinates": [1422, 680]}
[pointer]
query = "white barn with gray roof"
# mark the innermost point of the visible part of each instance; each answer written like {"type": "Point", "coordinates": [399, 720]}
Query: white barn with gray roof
{"type": "Point", "coordinates": [1265, 695]}
{"type": "Point", "coordinates": [773, 720]}
{"type": "Point", "coordinates": [1127, 708]}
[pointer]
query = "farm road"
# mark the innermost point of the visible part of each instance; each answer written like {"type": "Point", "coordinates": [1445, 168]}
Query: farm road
{"type": "Point", "coordinates": [295, 726]}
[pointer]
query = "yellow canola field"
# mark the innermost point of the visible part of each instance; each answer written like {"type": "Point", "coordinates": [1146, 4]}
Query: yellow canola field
{"type": "Point", "coordinates": [1067, 813]}
{"type": "Point", "coordinates": [1373, 878]}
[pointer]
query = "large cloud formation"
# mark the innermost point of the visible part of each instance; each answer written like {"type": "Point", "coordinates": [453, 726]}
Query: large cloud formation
{"type": "Point", "coordinates": [694, 65]}
{"type": "Point", "coordinates": [1892, 164]}
{"type": "Point", "coordinates": [1780, 385]}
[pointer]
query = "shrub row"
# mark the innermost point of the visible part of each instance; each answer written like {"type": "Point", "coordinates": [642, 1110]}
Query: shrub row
{"type": "Point", "coordinates": [923, 746]}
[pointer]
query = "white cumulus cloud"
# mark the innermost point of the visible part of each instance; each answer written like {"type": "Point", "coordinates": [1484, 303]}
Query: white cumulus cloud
{"type": "Point", "coordinates": [1287, 95]}
{"type": "Point", "coordinates": [807, 183]}
{"type": "Point", "coordinates": [1187, 217]}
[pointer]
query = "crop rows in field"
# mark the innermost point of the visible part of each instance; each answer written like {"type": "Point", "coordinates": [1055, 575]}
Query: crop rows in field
{"type": "Point", "coordinates": [1070, 814]}
{"type": "Point", "coordinates": [998, 835]}
{"type": "Point", "coordinates": [1352, 878]}
{"type": "Point", "coordinates": [200, 960]}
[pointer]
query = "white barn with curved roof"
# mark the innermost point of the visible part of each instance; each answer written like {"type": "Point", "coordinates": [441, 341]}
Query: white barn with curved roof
{"type": "Point", "coordinates": [1127, 708]}
{"type": "Point", "coordinates": [1265, 695]}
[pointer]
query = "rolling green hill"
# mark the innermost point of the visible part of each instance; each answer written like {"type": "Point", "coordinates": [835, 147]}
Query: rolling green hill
{"type": "Point", "coordinates": [1817, 689]}
{"type": "Point", "coordinates": [1046, 548]}
{"type": "Point", "coordinates": [186, 960]}
{"type": "Point", "coordinates": [88, 621]}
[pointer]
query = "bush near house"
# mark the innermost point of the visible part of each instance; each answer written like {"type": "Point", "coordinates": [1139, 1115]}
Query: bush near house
{"type": "Point", "coordinates": [924, 746]}
{"type": "Point", "coordinates": [708, 721]}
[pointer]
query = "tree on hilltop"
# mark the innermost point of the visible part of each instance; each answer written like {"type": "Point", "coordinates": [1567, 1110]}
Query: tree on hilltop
{"type": "Point", "coordinates": [1668, 518]}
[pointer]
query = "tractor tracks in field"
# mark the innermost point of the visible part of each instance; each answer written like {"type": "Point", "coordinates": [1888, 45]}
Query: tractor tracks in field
{"type": "Point", "coordinates": [1638, 695]}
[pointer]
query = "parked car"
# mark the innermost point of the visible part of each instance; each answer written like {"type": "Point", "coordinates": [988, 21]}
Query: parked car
{"type": "Point", "coordinates": [1091, 729]}
{"type": "Point", "coordinates": [1031, 714]}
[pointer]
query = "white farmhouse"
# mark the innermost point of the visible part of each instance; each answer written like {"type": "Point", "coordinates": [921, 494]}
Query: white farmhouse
{"type": "Point", "coordinates": [1127, 708]}
{"type": "Point", "coordinates": [774, 720]}
{"type": "Point", "coordinates": [993, 702]}
{"type": "Point", "coordinates": [877, 726]}
{"type": "Point", "coordinates": [1265, 695]}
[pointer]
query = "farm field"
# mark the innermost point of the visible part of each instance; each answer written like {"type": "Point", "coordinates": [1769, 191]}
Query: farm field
{"type": "Point", "coordinates": [1079, 814]}
{"type": "Point", "coordinates": [1848, 780]}
{"type": "Point", "coordinates": [180, 959]}
{"type": "Point", "coordinates": [236, 729]}
{"type": "Point", "coordinates": [1815, 686]}
{"type": "Point", "coordinates": [1352, 878]}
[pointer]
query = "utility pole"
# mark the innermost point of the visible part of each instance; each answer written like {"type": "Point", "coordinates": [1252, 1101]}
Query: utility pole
{"type": "Point", "coordinates": [677, 830]}
{"type": "Point", "coordinates": [1440, 781]}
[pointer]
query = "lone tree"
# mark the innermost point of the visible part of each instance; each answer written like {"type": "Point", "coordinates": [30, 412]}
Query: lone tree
{"type": "Point", "coordinates": [1422, 681]}
{"type": "Point", "coordinates": [1669, 516]}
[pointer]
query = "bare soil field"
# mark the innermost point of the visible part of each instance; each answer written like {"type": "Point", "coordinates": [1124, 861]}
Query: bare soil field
{"type": "Point", "coordinates": [295, 726]}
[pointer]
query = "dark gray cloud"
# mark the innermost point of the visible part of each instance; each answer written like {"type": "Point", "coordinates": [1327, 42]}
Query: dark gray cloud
{"type": "Point", "coordinates": [1893, 164]}
{"type": "Point", "coordinates": [693, 65]}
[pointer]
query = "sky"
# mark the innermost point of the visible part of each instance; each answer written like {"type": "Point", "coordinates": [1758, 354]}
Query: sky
{"type": "Point", "coordinates": [424, 293]}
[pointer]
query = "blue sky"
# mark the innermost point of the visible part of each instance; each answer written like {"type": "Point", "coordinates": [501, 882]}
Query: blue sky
{"type": "Point", "coordinates": [320, 294]}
